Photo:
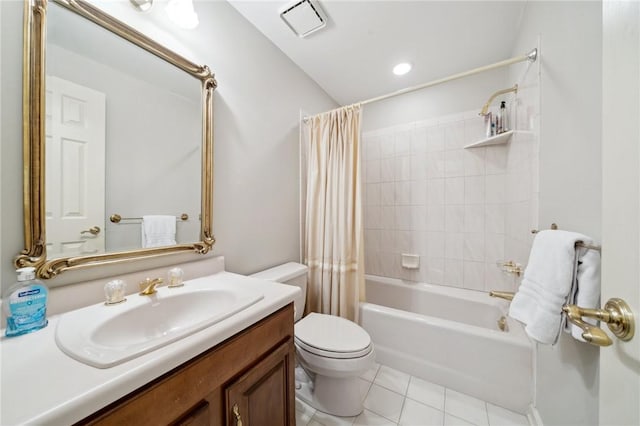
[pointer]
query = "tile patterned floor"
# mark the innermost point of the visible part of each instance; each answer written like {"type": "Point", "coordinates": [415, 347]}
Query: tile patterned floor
{"type": "Point", "coordinates": [394, 398]}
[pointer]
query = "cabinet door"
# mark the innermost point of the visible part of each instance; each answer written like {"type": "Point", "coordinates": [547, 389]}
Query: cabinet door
{"type": "Point", "coordinates": [198, 416]}
{"type": "Point", "coordinates": [265, 394]}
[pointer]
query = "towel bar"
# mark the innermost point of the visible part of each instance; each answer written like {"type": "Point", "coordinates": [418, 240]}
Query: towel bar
{"type": "Point", "coordinates": [616, 314]}
{"type": "Point", "coordinates": [554, 227]}
{"type": "Point", "coordinates": [116, 218]}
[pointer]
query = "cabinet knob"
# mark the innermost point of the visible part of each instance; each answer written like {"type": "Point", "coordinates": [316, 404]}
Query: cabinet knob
{"type": "Point", "coordinates": [236, 412]}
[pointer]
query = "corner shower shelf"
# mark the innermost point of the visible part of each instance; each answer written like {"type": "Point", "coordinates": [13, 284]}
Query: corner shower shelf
{"type": "Point", "coordinates": [493, 140]}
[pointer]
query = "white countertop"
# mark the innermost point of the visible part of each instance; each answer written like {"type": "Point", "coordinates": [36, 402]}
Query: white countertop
{"type": "Point", "coordinates": [42, 385]}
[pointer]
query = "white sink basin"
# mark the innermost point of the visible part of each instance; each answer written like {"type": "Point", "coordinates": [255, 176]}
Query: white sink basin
{"type": "Point", "coordinates": [104, 336]}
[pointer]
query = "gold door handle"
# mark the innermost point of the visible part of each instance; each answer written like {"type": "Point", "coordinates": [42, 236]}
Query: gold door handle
{"type": "Point", "coordinates": [236, 412]}
{"type": "Point", "coordinates": [94, 230]}
{"type": "Point", "coordinates": [616, 314]}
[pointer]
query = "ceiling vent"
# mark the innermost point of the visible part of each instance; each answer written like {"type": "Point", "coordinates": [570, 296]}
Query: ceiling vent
{"type": "Point", "coordinates": [304, 17]}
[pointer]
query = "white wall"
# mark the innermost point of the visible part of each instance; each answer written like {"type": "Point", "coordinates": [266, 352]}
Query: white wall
{"type": "Point", "coordinates": [256, 108]}
{"type": "Point", "coordinates": [449, 98]}
{"type": "Point", "coordinates": [570, 179]}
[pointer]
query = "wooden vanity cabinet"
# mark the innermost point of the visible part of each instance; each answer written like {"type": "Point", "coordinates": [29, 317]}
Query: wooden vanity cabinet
{"type": "Point", "coordinates": [247, 379]}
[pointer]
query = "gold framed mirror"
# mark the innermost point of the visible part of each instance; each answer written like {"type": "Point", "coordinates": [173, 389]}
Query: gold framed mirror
{"type": "Point", "coordinates": [34, 186]}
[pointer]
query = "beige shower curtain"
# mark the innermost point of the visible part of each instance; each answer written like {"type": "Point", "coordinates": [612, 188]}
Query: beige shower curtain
{"type": "Point", "coordinates": [333, 236]}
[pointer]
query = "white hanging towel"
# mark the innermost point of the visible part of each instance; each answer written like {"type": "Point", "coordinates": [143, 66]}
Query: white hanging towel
{"type": "Point", "coordinates": [557, 273]}
{"type": "Point", "coordinates": [158, 231]}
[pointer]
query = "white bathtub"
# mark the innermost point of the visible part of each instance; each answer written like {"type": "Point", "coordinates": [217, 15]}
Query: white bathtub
{"type": "Point", "coordinates": [450, 336]}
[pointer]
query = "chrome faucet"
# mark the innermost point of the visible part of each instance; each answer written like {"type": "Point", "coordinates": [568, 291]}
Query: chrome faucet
{"type": "Point", "coordinates": [148, 286]}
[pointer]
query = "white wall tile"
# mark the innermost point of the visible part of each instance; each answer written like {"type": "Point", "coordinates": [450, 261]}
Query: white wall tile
{"type": "Point", "coordinates": [403, 218]}
{"type": "Point", "coordinates": [373, 217]}
{"type": "Point", "coordinates": [388, 219]}
{"type": "Point", "coordinates": [495, 218]}
{"type": "Point", "coordinates": [454, 136]}
{"type": "Point", "coordinates": [402, 145]}
{"type": "Point", "coordinates": [402, 168]}
{"type": "Point", "coordinates": [419, 140]}
{"type": "Point", "coordinates": [495, 189]}
{"type": "Point", "coordinates": [454, 190]}
{"type": "Point", "coordinates": [419, 218]}
{"type": "Point", "coordinates": [435, 245]}
{"type": "Point", "coordinates": [372, 194]}
{"type": "Point", "coordinates": [435, 271]}
{"type": "Point", "coordinates": [402, 193]}
{"type": "Point", "coordinates": [387, 193]}
{"type": "Point", "coordinates": [473, 275]}
{"type": "Point", "coordinates": [453, 245]}
{"type": "Point", "coordinates": [373, 171]}
{"type": "Point", "coordinates": [474, 218]}
{"type": "Point", "coordinates": [474, 161]}
{"type": "Point", "coordinates": [387, 145]}
{"type": "Point", "coordinates": [418, 166]}
{"type": "Point", "coordinates": [419, 192]}
{"type": "Point", "coordinates": [387, 169]}
{"type": "Point", "coordinates": [494, 247]}
{"type": "Point", "coordinates": [372, 147]}
{"type": "Point", "coordinates": [403, 242]}
{"type": "Point", "coordinates": [495, 159]}
{"type": "Point", "coordinates": [435, 191]}
{"type": "Point", "coordinates": [453, 272]}
{"type": "Point", "coordinates": [454, 163]}
{"type": "Point", "coordinates": [435, 164]}
{"type": "Point", "coordinates": [474, 190]}
{"type": "Point", "coordinates": [435, 139]}
{"type": "Point", "coordinates": [454, 218]}
{"type": "Point", "coordinates": [436, 218]}
{"type": "Point", "coordinates": [474, 130]}
{"type": "Point", "coordinates": [474, 246]}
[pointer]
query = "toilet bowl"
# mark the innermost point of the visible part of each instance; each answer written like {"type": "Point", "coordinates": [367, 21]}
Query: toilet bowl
{"type": "Point", "coordinates": [331, 352]}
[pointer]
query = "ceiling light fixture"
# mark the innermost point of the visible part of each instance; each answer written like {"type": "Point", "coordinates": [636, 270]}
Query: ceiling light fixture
{"type": "Point", "coordinates": [142, 5]}
{"type": "Point", "coordinates": [402, 68]}
{"type": "Point", "coordinates": [182, 14]}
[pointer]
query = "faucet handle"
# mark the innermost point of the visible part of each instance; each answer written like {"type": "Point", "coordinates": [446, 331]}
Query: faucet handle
{"type": "Point", "coordinates": [114, 292]}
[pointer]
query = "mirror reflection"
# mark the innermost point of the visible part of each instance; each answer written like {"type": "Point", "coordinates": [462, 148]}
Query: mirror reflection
{"type": "Point", "coordinates": [123, 133]}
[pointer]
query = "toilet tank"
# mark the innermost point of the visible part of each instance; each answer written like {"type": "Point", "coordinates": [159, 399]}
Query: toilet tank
{"type": "Point", "coordinates": [291, 273]}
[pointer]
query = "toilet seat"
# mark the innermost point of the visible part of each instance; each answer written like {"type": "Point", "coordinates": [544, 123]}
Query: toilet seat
{"type": "Point", "coordinates": [332, 337]}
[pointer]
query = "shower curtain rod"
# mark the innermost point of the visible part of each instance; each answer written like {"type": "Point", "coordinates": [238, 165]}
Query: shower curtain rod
{"type": "Point", "coordinates": [531, 57]}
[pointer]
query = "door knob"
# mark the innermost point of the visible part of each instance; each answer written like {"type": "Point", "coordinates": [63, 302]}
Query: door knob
{"type": "Point", "coordinates": [94, 230]}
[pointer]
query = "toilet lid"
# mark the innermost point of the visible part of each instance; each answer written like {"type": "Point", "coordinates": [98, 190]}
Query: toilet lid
{"type": "Point", "coordinates": [332, 336]}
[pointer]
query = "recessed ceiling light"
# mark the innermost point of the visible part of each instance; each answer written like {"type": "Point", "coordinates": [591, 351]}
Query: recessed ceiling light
{"type": "Point", "coordinates": [402, 68]}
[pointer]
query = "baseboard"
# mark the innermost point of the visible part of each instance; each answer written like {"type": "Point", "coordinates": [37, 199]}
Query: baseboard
{"type": "Point", "coordinates": [533, 416]}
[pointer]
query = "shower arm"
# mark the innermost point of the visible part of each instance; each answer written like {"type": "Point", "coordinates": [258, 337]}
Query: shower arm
{"type": "Point", "coordinates": [485, 107]}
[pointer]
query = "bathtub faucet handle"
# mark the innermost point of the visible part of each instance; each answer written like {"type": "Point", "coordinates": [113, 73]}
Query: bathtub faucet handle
{"type": "Point", "coordinates": [507, 295]}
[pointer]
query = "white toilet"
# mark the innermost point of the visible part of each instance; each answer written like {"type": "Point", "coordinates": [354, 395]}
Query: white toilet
{"type": "Point", "coordinates": [331, 352]}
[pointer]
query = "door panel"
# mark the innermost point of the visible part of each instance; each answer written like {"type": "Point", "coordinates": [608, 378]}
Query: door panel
{"type": "Point", "coordinates": [75, 168]}
{"type": "Point", "coordinates": [620, 363]}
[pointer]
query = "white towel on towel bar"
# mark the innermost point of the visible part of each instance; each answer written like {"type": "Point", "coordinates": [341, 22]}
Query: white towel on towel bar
{"type": "Point", "coordinates": [158, 231]}
{"type": "Point", "coordinates": [556, 270]}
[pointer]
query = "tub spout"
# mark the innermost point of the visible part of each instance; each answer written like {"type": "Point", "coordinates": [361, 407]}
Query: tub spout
{"type": "Point", "coordinates": [507, 295]}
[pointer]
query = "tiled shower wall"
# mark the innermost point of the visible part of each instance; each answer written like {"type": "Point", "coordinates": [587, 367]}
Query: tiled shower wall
{"type": "Point", "coordinates": [461, 210]}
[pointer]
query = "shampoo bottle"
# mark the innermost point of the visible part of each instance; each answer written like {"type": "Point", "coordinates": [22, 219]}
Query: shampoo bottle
{"type": "Point", "coordinates": [504, 117]}
{"type": "Point", "coordinates": [25, 304]}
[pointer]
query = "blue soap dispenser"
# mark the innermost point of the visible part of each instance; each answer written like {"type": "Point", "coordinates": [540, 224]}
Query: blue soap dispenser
{"type": "Point", "coordinates": [25, 304]}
